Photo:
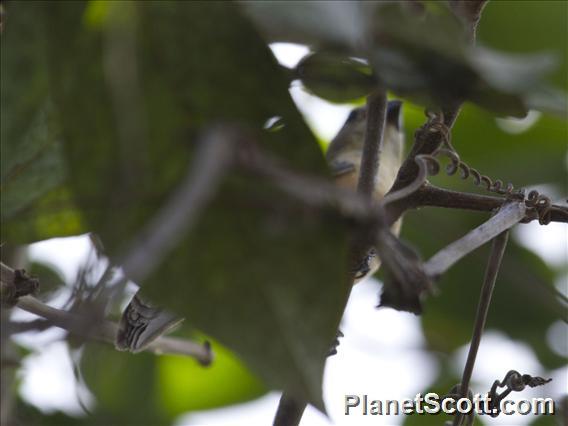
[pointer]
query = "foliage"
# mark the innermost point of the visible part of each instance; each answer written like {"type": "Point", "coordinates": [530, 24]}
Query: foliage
{"type": "Point", "coordinates": [102, 104]}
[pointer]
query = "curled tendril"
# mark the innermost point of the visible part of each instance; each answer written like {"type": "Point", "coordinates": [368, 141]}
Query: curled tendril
{"type": "Point", "coordinates": [540, 205]}
{"type": "Point", "coordinates": [512, 382]}
{"type": "Point", "coordinates": [427, 166]}
{"type": "Point", "coordinates": [455, 395]}
{"type": "Point", "coordinates": [466, 171]}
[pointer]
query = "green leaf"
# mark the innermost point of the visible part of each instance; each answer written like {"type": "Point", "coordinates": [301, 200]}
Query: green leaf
{"type": "Point", "coordinates": [335, 77]}
{"type": "Point", "coordinates": [133, 92]}
{"type": "Point", "coordinates": [428, 60]}
{"type": "Point", "coordinates": [318, 23]}
{"type": "Point", "coordinates": [31, 158]}
{"type": "Point", "coordinates": [533, 27]}
{"type": "Point", "coordinates": [34, 203]}
{"type": "Point", "coordinates": [124, 385]}
{"type": "Point", "coordinates": [185, 385]}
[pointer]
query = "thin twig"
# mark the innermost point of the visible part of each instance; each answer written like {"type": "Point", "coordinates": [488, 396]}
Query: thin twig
{"type": "Point", "coordinates": [105, 331]}
{"type": "Point", "coordinates": [182, 209]}
{"type": "Point", "coordinates": [495, 258]}
{"type": "Point", "coordinates": [101, 329]}
{"type": "Point", "coordinates": [508, 216]}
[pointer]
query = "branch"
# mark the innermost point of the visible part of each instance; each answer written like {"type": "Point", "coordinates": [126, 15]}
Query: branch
{"type": "Point", "coordinates": [508, 216]}
{"type": "Point", "coordinates": [105, 331]}
{"type": "Point", "coordinates": [495, 258]}
{"type": "Point", "coordinates": [426, 142]}
{"type": "Point", "coordinates": [362, 240]}
{"type": "Point", "coordinates": [372, 146]}
{"type": "Point", "coordinates": [99, 329]}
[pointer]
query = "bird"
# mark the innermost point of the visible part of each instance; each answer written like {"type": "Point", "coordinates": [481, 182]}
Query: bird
{"type": "Point", "coordinates": [344, 156]}
{"type": "Point", "coordinates": [142, 322]}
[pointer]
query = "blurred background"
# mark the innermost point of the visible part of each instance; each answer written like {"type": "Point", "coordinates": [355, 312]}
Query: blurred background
{"type": "Point", "coordinates": [385, 354]}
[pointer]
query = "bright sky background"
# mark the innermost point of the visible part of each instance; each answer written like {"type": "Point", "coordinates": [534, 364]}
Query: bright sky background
{"type": "Point", "coordinates": [385, 362]}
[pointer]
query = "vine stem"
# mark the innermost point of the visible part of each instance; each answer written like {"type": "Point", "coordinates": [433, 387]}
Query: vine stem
{"type": "Point", "coordinates": [372, 147]}
{"type": "Point", "coordinates": [493, 265]}
{"type": "Point", "coordinates": [291, 408]}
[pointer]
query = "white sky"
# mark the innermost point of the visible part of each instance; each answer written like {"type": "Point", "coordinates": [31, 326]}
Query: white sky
{"type": "Point", "coordinates": [380, 354]}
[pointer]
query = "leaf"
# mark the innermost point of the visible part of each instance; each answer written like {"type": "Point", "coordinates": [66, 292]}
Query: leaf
{"type": "Point", "coordinates": [184, 385]}
{"type": "Point", "coordinates": [429, 61]}
{"type": "Point", "coordinates": [133, 91]}
{"type": "Point", "coordinates": [534, 27]}
{"type": "Point", "coordinates": [34, 203]}
{"type": "Point", "coordinates": [31, 158]}
{"type": "Point", "coordinates": [335, 77]}
{"type": "Point", "coordinates": [320, 23]}
{"type": "Point", "coordinates": [124, 385]}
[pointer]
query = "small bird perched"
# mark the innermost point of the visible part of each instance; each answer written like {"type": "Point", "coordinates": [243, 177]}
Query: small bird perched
{"type": "Point", "coordinates": [344, 158]}
{"type": "Point", "coordinates": [142, 323]}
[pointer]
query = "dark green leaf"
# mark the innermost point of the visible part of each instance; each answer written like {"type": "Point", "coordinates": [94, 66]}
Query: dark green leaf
{"type": "Point", "coordinates": [34, 203]}
{"type": "Point", "coordinates": [31, 154]}
{"type": "Point", "coordinates": [136, 84]}
{"type": "Point", "coordinates": [124, 385]}
{"type": "Point", "coordinates": [335, 77]}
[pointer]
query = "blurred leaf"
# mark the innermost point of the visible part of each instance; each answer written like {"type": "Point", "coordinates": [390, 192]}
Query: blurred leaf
{"type": "Point", "coordinates": [419, 53]}
{"type": "Point", "coordinates": [533, 26]}
{"type": "Point", "coordinates": [133, 92]}
{"type": "Point", "coordinates": [511, 157]}
{"type": "Point", "coordinates": [429, 60]}
{"type": "Point", "coordinates": [319, 23]}
{"type": "Point", "coordinates": [124, 385]}
{"type": "Point", "coordinates": [27, 414]}
{"type": "Point", "coordinates": [185, 385]}
{"type": "Point", "coordinates": [32, 170]}
{"type": "Point", "coordinates": [335, 77]}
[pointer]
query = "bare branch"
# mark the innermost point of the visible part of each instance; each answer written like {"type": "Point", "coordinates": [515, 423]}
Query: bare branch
{"type": "Point", "coordinates": [105, 331]}
{"type": "Point", "coordinates": [101, 329]}
{"type": "Point", "coordinates": [508, 216]}
{"type": "Point", "coordinates": [495, 258]}
{"type": "Point", "coordinates": [372, 146]}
